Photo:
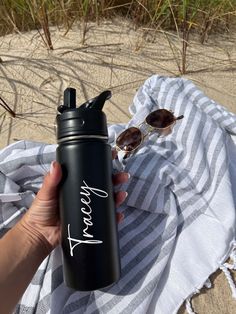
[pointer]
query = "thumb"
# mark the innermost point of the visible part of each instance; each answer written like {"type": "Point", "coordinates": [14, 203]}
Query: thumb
{"type": "Point", "coordinates": [48, 190]}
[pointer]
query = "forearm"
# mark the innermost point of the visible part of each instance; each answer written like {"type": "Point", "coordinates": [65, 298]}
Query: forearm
{"type": "Point", "coordinates": [21, 253]}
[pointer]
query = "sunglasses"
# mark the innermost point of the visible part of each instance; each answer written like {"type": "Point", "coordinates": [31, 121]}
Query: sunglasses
{"type": "Point", "coordinates": [160, 121]}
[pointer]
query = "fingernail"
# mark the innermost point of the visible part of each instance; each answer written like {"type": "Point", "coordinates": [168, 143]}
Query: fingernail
{"type": "Point", "coordinates": [128, 174]}
{"type": "Point", "coordinates": [52, 167]}
{"type": "Point", "coordinates": [126, 194]}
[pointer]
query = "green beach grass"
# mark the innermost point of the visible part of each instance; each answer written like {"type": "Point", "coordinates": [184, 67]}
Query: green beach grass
{"type": "Point", "coordinates": [180, 17]}
{"type": "Point", "coordinates": [202, 16]}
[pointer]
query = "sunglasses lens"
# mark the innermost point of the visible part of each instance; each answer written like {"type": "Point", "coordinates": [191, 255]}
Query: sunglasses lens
{"type": "Point", "coordinates": [129, 139]}
{"type": "Point", "coordinates": [160, 118]}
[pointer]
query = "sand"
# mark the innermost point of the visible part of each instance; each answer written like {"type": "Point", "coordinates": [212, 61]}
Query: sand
{"type": "Point", "coordinates": [116, 57]}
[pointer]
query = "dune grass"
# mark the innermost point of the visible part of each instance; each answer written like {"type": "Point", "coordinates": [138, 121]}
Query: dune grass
{"type": "Point", "coordinates": [202, 17]}
{"type": "Point", "coordinates": [182, 17]}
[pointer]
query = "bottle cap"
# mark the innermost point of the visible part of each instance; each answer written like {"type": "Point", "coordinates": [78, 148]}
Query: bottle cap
{"type": "Point", "coordinates": [86, 120]}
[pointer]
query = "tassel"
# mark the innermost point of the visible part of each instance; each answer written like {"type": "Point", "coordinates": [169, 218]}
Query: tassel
{"type": "Point", "coordinates": [188, 306]}
{"type": "Point", "coordinates": [230, 266]}
{"type": "Point", "coordinates": [208, 284]}
{"type": "Point", "coordinates": [10, 219]}
{"type": "Point", "coordinates": [229, 278]}
{"type": "Point", "coordinates": [233, 258]}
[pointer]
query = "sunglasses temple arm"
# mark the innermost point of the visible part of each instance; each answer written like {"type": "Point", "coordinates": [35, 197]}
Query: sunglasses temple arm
{"type": "Point", "coordinates": [180, 117]}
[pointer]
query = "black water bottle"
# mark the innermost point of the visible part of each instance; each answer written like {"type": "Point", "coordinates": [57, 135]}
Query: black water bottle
{"type": "Point", "coordinates": [87, 211]}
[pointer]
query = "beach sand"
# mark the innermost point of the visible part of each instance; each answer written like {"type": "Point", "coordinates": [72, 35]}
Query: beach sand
{"type": "Point", "coordinates": [115, 57]}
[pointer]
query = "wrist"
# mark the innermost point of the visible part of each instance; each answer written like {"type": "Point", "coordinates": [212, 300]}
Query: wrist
{"type": "Point", "coordinates": [23, 252]}
{"type": "Point", "coordinates": [33, 236]}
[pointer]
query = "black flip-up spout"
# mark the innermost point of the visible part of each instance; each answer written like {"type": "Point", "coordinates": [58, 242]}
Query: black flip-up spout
{"type": "Point", "coordinates": [97, 102]}
{"type": "Point", "coordinates": [94, 103]}
{"type": "Point", "coordinates": [87, 119]}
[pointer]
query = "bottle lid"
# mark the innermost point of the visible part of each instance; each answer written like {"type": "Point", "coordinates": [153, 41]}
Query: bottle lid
{"type": "Point", "coordinates": [86, 120]}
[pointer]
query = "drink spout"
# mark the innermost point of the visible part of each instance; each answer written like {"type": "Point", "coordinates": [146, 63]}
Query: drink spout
{"type": "Point", "coordinates": [69, 100]}
{"type": "Point", "coordinates": [97, 102]}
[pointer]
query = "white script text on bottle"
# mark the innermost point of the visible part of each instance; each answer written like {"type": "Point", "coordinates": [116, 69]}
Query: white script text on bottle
{"type": "Point", "coordinates": [87, 211]}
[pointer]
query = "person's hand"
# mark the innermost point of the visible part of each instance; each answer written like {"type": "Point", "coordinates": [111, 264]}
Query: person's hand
{"type": "Point", "coordinates": [42, 218]}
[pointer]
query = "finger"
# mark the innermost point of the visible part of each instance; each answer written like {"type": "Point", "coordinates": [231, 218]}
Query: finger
{"type": "Point", "coordinates": [120, 197]}
{"type": "Point", "coordinates": [114, 154]}
{"type": "Point", "coordinates": [120, 178]}
{"type": "Point", "coordinates": [119, 217]}
{"type": "Point", "coordinates": [48, 190]}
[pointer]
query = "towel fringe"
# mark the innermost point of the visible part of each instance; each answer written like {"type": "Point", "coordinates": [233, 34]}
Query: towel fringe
{"type": "Point", "coordinates": [229, 279]}
{"type": "Point", "coordinates": [233, 258]}
{"type": "Point", "coordinates": [188, 306]}
{"type": "Point", "coordinates": [9, 220]}
{"type": "Point", "coordinates": [226, 267]}
{"type": "Point", "coordinates": [208, 283]}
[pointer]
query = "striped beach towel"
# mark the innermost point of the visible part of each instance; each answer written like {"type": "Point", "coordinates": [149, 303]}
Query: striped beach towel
{"type": "Point", "coordinates": [180, 222]}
